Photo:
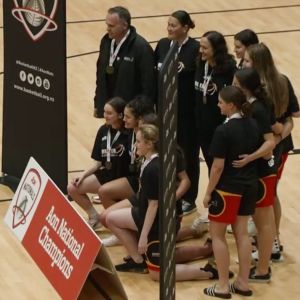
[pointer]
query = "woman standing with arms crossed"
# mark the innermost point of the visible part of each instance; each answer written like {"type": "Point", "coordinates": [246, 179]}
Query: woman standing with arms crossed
{"type": "Point", "coordinates": [230, 194]}
{"type": "Point", "coordinates": [179, 24]}
{"type": "Point", "coordinates": [214, 71]}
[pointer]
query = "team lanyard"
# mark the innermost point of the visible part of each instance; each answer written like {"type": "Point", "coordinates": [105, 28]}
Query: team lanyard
{"type": "Point", "coordinates": [179, 48]}
{"type": "Point", "coordinates": [109, 144]}
{"type": "Point", "coordinates": [133, 149]}
{"type": "Point", "coordinates": [146, 162]}
{"type": "Point", "coordinates": [206, 81]}
{"type": "Point", "coordinates": [114, 53]}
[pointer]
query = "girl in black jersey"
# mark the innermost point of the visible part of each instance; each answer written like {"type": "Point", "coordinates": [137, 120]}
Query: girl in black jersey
{"type": "Point", "coordinates": [249, 81]}
{"type": "Point", "coordinates": [242, 40]}
{"type": "Point", "coordinates": [179, 25]}
{"type": "Point", "coordinates": [215, 70]}
{"type": "Point", "coordinates": [111, 193]}
{"type": "Point", "coordinates": [111, 160]}
{"type": "Point", "coordinates": [280, 91]}
{"type": "Point", "coordinates": [230, 194]}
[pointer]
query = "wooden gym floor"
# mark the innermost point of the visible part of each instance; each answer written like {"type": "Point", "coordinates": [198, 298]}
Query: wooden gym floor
{"type": "Point", "coordinates": [278, 24]}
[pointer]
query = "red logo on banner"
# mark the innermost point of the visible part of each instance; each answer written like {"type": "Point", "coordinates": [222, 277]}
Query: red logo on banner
{"type": "Point", "coordinates": [32, 14]}
{"type": "Point", "coordinates": [61, 243]}
{"type": "Point", "coordinates": [26, 197]}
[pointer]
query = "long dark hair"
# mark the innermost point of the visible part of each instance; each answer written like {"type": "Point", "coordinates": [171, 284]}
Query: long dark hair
{"type": "Point", "coordinates": [222, 58]}
{"type": "Point", "coordinates": [140, 106]}
{"type": "Point", "coordinates": [233, 94]}
{"type": "Point", "coordinates": [249, 79]}
{"type": "Point", "coordinates": [247, 37]}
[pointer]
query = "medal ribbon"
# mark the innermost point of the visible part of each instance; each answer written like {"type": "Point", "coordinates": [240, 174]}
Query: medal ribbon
{"type": "Point", "coordinates": [113, 54]}
{"type": "Point", "coordinates": [109, 144]}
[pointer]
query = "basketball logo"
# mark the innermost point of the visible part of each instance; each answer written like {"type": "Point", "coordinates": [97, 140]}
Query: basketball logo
{"type": "Point", "coordinates": [27, 195]}
{"type": "Point", "coordinates": [37, 16]}
{"type": "Point", "coordinates": [35, 10]}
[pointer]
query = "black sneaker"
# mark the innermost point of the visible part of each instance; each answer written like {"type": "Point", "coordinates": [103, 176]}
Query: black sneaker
{"type": "Point", "coordinates": [259, 278]}
{"type": "Point", "coordinates": [210, 268]}
{"type": "Point", "coordinates": [188, 208]}
{"type": "Point", "coordinates": [131, 266]}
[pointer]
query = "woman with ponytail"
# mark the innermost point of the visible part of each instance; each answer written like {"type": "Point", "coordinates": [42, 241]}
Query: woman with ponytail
{"type": "Point", "coordinates": [230, 194]}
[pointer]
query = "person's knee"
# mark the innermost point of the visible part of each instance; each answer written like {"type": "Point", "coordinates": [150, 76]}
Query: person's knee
{"type": "Point", "coordinates": [154, 275]}
{"type": "Point", "coordinates": [71, 188]}
{"type": "Point", "coordinates": [103, 191]}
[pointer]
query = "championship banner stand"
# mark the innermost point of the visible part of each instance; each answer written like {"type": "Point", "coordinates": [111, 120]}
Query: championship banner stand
{"type": "Point", "coordinates": [167, 112]}
{"type": "Point", "coordinates": [34, 89]}
{"type": "Point", "coordinates": [59, 241]}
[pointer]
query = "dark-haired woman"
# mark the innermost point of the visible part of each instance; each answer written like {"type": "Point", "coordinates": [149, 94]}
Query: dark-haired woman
{"type": "Point", "coordinates": [179, 24]}
{"type": "Point", "coordinates": [215, 70]}
{"type": "Point", "coordinates": [249, 81]}
{"type": "Point", "coordinates": [231, 192]}
{"type": "Point", "coordinates": [280, 91]}
{"type": "Point", "coordinates": [111, 160]}
{"type": "Point", "coordinates": [242, 40]}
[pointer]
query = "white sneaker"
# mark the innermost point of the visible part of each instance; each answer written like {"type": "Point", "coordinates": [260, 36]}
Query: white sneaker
{"type": "Point", "coordinates": [111, 241]}
{"type": "Point", "coordinates": [200, 226]}
{"type": "Point", "coordinates": [252, 231]}
{"type": "Point", "coordinates": [96, 199]}
{"type": "Point", "coordinates": [94, 222]}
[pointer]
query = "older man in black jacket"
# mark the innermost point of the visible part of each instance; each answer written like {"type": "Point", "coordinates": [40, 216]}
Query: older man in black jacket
{"type": "Point", "coordinates": [125, 66]}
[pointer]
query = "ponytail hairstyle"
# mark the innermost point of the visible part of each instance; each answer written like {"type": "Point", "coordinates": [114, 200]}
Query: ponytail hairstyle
{"type": "Point", "coordinates": [276, 84]}
{"type": "Point", "coordinates": [246, 37]}
{"type": "Point", "coordinates": [150, 134]}
{"type": "Point", "coordinates": [118, 104]}
{"type": "Point", "coordinates": [234, 95]}
{"type": "Point", "coordinates": [183, 18]}
{"type": "Point", "coordinates": [249, 80]}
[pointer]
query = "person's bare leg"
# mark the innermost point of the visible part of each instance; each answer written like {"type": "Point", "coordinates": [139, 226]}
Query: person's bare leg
{"type": "Point", "coordinates": [118, 205]}
{"type": "Point", "coordinates": [264, 222]}
{"type": "Point", "coordinates": [240, 231]}
{"type": "Point", "coordinates": [121, 223]}
{"type": "Point", "coordinates": [221, 252]}
{"type": "Point", "coordinates": [115, 191]}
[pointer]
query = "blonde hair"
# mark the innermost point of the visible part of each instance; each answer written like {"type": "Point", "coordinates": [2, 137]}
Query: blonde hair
{"type": "Point", "coordinates": [150, 134]}
{"type": "Point", "coordinates": [276, 84]}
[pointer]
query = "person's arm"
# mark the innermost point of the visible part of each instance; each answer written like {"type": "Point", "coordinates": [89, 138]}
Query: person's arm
{"type": "Point", "coordinates": [148, 222]}
{"type": "Point", "coordinates": [286, 130]}
{"type": "Point", "coordinates": [184, 184]}
{"type": "Point", "coordinates": [265, 150]}
{"type": "Point", "coordinates": [215, 174]}
{"type": "Point", "coordinates": [77, 181]}
{"type": "Point", "coordinates": [277, 128]}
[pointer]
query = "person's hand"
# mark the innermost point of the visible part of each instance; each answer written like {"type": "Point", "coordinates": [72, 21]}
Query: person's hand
{"type": "Point", "coordinates": [143, 245]}
{"type": "Point", "coordinates": [243, 161]}
{"type": "Point", "coordinates": [77, 181]}
{"type": "Point", "coordinates": [206, 200]}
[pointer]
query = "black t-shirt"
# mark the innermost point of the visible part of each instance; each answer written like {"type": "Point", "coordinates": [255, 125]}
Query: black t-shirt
{"type": "Point", "coordinates": [186, 72]}
{"type": "Point", "coordinates": [236, 137]}
{"type": "Point", "coordinates": [293, 106]}
{"type": "Point", "coordinates": [208, 112]}
{"type": "Point", "coordinates": [264, 117]}
{"type": "Point", "coordinates": [119, 155]}
{"type": "Point", "coordinates": [149, 189]}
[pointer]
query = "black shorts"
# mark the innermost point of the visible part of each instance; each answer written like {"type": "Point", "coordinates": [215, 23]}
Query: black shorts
{"type": "Point", "coordinates": [103, 175]}
{"type": "Point", "coordinates": [133, 182]}
{"type": "Point", "coordinates": [229, 201]}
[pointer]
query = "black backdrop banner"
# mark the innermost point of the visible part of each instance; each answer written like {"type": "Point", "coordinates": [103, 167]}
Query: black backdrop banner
{"type": "Point", "coordinates": [34, 91]}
